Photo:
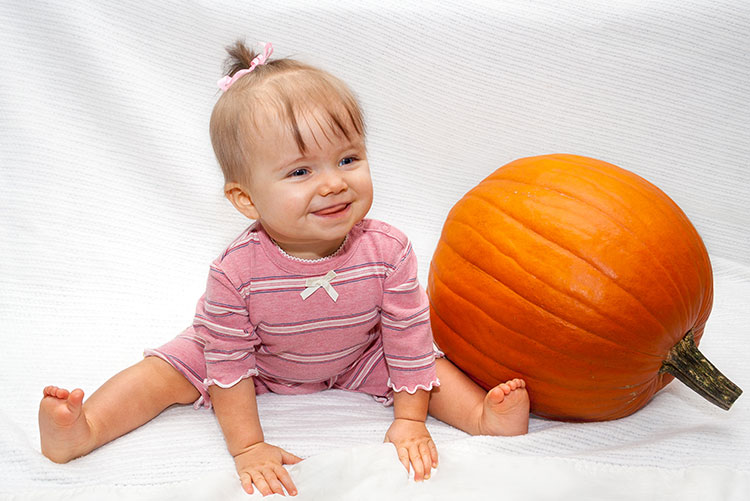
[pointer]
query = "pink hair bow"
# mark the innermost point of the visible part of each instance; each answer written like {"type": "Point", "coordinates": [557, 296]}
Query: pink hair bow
{"type": "Point", "coordinates": [261, 58]}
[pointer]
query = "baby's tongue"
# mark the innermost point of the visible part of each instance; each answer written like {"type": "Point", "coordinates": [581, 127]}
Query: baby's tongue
{"type": "Point", "coordinates": [331, 210]}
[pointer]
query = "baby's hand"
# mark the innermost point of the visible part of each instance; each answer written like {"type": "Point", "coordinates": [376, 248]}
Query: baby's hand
{"type": "Point", "coordinates": [261, 464]}
{"type": "Point", "coordinates": [414, 445]}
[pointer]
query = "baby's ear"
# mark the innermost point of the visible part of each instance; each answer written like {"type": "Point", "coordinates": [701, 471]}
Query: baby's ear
{"type": "Point", "coordinates": [240, 198]}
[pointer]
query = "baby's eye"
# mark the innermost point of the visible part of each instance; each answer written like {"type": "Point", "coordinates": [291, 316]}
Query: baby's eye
{"type": "Point", "coordinates": [346, 161]}
{"type": "Point", "coordinates": [298, 172]}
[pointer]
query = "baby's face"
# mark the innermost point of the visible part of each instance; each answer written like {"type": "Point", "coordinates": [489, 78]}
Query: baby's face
{"type": "Point", "coordinates": [308, 202]}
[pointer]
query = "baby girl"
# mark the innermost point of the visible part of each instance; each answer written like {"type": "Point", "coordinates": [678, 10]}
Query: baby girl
{"type": "Point", "coordinates": [311, 296]}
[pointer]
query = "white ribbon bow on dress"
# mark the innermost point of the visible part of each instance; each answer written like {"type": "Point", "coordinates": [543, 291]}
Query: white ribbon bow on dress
{"type": "Point", "coordinates": [315, 283]}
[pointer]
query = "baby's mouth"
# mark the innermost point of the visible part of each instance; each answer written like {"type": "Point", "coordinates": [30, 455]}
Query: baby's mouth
{"type": "Point", "coordinates": [332, 210]}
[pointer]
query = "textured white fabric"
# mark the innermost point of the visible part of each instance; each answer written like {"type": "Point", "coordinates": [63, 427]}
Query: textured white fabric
{"type": "Point", "coordinates": [111, 209]}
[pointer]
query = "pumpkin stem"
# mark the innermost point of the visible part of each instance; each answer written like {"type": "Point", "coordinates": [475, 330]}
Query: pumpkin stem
{"type": "Point", "coordinates": [687, 363]}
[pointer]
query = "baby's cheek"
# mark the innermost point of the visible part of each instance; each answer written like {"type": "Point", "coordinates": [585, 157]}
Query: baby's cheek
{"type": "Point", "coordinates": [367, 194]}
{"type": "Point", "coordinates": [294, 204]}
{"type": "Point", "coordinates": [361, 182]}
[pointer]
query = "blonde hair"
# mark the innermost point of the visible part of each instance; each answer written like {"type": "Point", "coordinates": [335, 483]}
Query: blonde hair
{"type": "Point", "coordinates": [281, 90]}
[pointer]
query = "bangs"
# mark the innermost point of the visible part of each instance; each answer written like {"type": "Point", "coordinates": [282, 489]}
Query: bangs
{"type": "Point", "coordinates": [321, 103]}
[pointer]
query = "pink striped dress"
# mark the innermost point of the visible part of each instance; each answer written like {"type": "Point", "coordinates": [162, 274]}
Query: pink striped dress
{"type": "Point", "coordinates": [357, 320]}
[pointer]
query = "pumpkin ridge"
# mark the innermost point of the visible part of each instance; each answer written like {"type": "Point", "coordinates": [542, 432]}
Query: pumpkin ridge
{"type": "Point", "coordinates": [493, 320]}
{"type": "Point", "coordinates": [535, 305]}
{"type": "Point", "coordinates": [630, 180]}
{"type": "Point", "coordinates": [644, 385]}
{"type": "Point", "coordinates": [634, 182]}
{"type": "Point", "coordinates": [628, 404]}
{"type": "Point", "coordinates": [476, 350]}
{"type": "Point", "coordinates": [624, 177]}
{"type": "Point", "coordinates": [556, 244]}
{"type": "Point", "coordinates": [680, 290]}
{"type": "Point", "coordinates": [629, 397]}
{"type": "Point", "coordinates": [546, 386]}
{"type": "Point", "coordinates": [487, 315]}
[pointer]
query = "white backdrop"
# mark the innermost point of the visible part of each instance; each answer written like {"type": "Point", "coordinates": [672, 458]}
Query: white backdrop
{"type": "Point", "coordinates": [111, 202]}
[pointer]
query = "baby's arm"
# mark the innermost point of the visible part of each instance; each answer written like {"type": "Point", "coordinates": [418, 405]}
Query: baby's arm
{"type": "Point", "coordinates": [256, 461]}
{"type": "Point", "coordinates": [409, 434]}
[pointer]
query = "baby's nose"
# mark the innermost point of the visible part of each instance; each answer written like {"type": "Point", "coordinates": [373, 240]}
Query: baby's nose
{"type": "Point", "coordinates": [332, 183]}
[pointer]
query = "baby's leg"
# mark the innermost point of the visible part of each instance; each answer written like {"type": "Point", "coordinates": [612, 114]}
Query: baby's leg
{"type": "Point", "coordinates": [460, 402]}
{"type": "Point", "coordinates": [69, 428]}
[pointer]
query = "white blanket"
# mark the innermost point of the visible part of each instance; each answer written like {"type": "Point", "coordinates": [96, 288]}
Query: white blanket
{"type": "Point", "coordinates": [111, 209]}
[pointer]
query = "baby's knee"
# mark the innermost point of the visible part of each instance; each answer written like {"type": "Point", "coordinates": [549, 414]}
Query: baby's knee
{"type": "Point", "coordinates": [171, 382]}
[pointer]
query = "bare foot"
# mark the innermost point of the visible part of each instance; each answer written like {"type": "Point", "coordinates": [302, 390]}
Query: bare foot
{"type": "Point", "coordinates": [506, 409]}
{"type": "Point", "coordinates": [64, 431]}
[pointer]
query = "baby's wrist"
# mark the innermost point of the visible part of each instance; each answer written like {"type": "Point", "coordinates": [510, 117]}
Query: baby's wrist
{"type": "Point", "coordinates": [408, 418]}
{"type": "Point", "coordinates": [238, 451]}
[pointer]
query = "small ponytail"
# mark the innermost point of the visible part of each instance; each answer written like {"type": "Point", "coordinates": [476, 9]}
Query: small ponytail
{"type": "Point", "coordinates": [240, 57]}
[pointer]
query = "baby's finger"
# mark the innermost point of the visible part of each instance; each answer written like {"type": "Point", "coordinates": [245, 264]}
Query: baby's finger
{"type": "Point", "coordinates": [416, 461]}
{"type": "Point", "coordinates": [286, 480]}
{"type": "Point", "coordinates": [403, 456]}
{"type": "Point", "coordinates": [247, 482]}
{"type": "Point", "coordinates": [433, 453]}
{"type": "Point", "coordinates": [424, 450]}
{"type": "Point", "coordinates": [260, 483]}
{"type": "Point", "coordinates": [273, 482]}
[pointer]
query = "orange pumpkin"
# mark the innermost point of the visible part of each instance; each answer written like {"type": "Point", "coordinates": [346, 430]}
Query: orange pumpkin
{"type": "Point", "coordinates": [582, 278]}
